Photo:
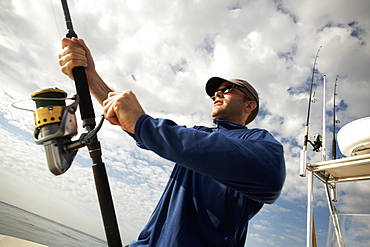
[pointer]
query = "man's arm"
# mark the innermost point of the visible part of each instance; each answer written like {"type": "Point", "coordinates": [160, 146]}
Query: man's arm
{"type": "Point", "coordinates": [251, 161]}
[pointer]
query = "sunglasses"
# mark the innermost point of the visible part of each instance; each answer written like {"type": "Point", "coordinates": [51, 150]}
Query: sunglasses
{"type": "Point", "coordinates": [224, 90]}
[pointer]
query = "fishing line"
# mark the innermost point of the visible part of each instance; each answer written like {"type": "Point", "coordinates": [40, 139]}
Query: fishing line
{"type": "Point", "coordinates": [60, 37]}
{"type": "Point", "coordinates": [14, 104]}
{"type": "Point", "coordinates": [55, 19]}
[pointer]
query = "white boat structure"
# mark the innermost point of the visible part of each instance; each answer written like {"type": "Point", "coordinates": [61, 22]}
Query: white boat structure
{"type": "Point", "coordinates": [354, 143]}
{"type": "Point", "coordinates": [17, 242]}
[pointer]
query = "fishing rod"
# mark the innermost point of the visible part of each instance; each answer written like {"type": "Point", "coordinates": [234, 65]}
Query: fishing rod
{"type": "Point", "coordinates": [303, 153]}
{"type": "Point", "coordinates": [323, 156]}
{"type": "Point", "coordinates": [82, 87]}
{"type": "Point", "coordinates": [88, 119]}
{"type": "Point", "coordinates": [331, 191]}
{"type": "Point", "coordinates": [56, 125]}
{"type": "Point", "coordinates": [334, 141]}
{"type": "Point", "coordinates": [310, 222]}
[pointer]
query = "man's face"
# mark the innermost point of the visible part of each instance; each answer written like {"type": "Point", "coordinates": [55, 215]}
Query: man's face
{"type": "Point", "coordinates": [229, 106]}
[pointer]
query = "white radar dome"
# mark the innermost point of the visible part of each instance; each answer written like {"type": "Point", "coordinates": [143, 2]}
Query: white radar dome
{"type": "Point", "coordinates": [354, 137]}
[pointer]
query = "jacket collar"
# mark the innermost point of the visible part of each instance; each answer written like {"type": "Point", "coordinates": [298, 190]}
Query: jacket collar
{"type": "Point", "coordinates": [228, 125]}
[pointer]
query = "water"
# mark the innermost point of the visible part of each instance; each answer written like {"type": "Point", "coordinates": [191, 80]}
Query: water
{"type": "Point", "coordinates": [19, 223]}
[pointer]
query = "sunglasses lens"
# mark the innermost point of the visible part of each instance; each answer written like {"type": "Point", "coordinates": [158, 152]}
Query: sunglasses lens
{"type": "Point", "coordinates": [227, 89]}
{"type": "Point", "coordinates": [224, 90]}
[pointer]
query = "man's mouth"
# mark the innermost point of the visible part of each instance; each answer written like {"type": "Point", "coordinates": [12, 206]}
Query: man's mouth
{"type": "Point", "coordinates": [217, 102]}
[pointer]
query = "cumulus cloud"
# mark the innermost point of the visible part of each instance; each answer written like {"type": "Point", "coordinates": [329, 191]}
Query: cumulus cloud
{"type": "Point", "coordinates": [165, 51]}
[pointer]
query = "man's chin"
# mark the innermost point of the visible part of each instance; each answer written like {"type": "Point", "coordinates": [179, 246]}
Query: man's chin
{"type": "Point", "coordinates": [217, 116]}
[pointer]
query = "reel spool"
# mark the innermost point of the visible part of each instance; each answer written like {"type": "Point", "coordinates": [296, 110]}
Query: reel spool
{"type": "Point", "coordinates": [50, 104]}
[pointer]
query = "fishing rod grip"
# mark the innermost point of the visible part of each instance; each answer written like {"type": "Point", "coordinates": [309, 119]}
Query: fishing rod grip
{"type": "Point", "coordinates": [82, 88]}
{"type": "Point", "coordinates": [302, 163]}
{"type": "Point", "coordinates": [303, 155]}
{"type": "Point", "coordinates": [334, 149]}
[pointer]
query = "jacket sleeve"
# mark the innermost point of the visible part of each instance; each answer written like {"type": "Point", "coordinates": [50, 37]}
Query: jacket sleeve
{"type": "Point", "coordinates": [253, 165]}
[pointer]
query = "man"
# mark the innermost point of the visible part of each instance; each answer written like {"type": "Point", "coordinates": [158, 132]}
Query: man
{"type": "Point", "coordinates": [222, 176]}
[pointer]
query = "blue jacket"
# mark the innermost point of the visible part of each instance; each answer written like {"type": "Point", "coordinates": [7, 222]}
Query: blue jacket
{"type": "Point", "coordinates": [221, 179]}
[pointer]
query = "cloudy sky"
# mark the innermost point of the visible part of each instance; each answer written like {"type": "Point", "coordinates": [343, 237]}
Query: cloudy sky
{"type": "Point", "coordinates": [165, 51]}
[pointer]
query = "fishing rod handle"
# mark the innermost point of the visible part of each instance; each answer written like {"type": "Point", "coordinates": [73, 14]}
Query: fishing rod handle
{"type": "Point", "coordinates": [82, 88]}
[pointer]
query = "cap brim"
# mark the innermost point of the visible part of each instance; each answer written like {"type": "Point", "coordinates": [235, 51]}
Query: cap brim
{"type": "Point", "coordinates": [213, 84]}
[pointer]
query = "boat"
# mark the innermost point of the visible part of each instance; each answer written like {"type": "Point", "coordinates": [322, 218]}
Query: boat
{"type": "Point", "coordinates": [10, 241]}
{"type": "Point", "coordinates": [354, 142]}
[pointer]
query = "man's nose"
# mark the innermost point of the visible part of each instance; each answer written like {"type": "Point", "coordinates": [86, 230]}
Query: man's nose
{"type": "Point", "coordinates": [219, 94]}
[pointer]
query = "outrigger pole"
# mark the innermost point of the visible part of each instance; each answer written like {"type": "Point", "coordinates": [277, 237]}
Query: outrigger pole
{"type": "Point", "coordinates": [88, 120]}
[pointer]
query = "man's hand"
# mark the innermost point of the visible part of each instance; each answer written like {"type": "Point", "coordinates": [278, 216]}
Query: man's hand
{"type": "Point", "coordinates": [123, 109]}
{"type": "Point", "coordinates": [75, 53]}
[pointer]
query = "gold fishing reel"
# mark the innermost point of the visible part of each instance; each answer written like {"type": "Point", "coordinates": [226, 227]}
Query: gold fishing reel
{"type": "Point", "coordinates": [55, 125]}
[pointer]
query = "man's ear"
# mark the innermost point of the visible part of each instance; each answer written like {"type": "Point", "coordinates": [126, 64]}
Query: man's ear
{"type": "Point", "coordinates": [250, 106]}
